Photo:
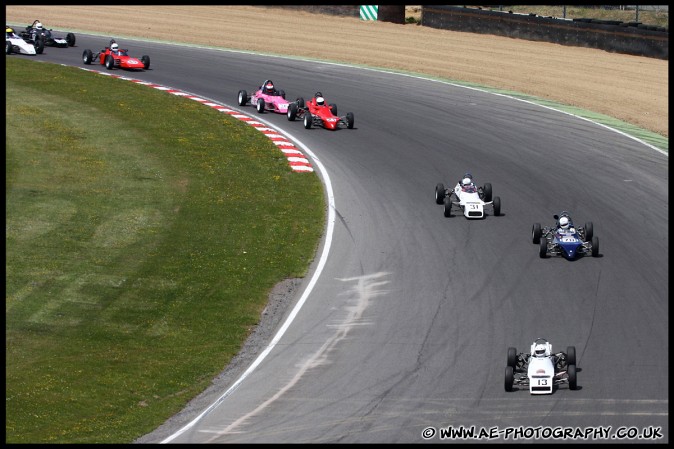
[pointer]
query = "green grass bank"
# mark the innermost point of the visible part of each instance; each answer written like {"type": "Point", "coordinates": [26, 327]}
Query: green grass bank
{"type": "Point", "coordinates": [144, 232]}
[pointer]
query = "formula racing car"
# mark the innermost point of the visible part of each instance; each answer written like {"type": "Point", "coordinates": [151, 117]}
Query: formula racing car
{"type": "Point", "coordinates": [317, 113]}
{"type": "Point", "coordinates": [469, 197]}
{"type": "Point", "coordinates": [114, 57]}
{"type": "Point", "coordinates": [565, 239]}
{"type": "Point", "coordinates": [268, 98]}
{"type": "Point", "coordinates": [16, 44]}
{"type": "Point", "coordinates": [36, 32]}
{"type": "Point", "coordinates": [540, 369]}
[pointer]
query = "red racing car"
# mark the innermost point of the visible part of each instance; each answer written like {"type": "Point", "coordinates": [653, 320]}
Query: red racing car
{"type": "Point", "coordinates": [317, 113]}
{"type": "Point", "coordinates": [114, 57]}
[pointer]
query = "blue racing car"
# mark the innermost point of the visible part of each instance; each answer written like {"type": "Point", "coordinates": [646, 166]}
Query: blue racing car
{"type": "Point", "coordinates": [564, 239]}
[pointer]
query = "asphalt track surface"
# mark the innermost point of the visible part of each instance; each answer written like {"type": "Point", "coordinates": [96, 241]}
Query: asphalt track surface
{"type": "Point", "coordinates": [408, 323]}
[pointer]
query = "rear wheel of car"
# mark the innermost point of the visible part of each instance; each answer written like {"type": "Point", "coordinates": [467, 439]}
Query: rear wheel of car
{"type": "Point", "coordinates": [300, 102]}
{"type": "Point", "coordinates": [39, 46]}
{"type": "Point", "coordinates": [512, 357]}
{"type": "Point", "coordinates": [497, 206]}
{"type": "Point", "coordinates": [308, 120]}
{"type": "Point", "coordinates": [349, 120]}
{"type": "Point", "coordinates": [509, 378]}
{"type": "Point", "coordinates": [292, 111]}
{"type": "Point", "coordinates": [145, 59]}
{"type": "Point", "coordinates": [439, 193]}
{"type": "Point", "coordinates": [333, 108]}
{"type": "Point", "coordinates": [243, 98]}
{"type": "Point", "coordinates": [8, 47]}
{"type": "Point", "coordinates": [571, 355]}
{"type": "Point", "coordinates": [543, 248]}
{"type": "Point", "coordinates": [70, 39]}
{"type": "Point", "coordinates": [589, 231]}
{"type": "Point", "coordinates": [282, 93]}
{"type": "Point", "coordinates": [573, 381]}
{"type": "Point", "coordinates": [536, 233]}
{"type": "Point", "coordinates": [487, 192]}
{"type": "Point", "coordinates": [87, 56]}
{"type": "Point", "coordinates": [260, 105]}
{"type": "Point", "coordinates": [109, 62]}
{"type": "Point", "coordinates": [595, 246]}
{"type": "Point", "coordinates": [448, 206]}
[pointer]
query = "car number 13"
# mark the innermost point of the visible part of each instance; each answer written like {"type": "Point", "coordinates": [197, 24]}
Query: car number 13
{"type": "Point", "coordinates": [542, 382]}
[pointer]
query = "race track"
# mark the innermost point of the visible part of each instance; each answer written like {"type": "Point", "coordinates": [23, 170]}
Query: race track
{"type": "Point", "coordinates": [408, 325]}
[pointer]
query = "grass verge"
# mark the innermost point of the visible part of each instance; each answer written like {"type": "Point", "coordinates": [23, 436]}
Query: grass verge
{"type": "Point", "coordinates": [144, 232]}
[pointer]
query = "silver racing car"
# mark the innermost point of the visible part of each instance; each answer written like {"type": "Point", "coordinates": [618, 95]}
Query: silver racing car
{"type": "Point", "coordinates": [541, 369]}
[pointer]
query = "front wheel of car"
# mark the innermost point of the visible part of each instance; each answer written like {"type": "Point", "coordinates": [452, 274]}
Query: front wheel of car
{"type": "Point", "coordinates": [439, 193]}
{"type": "Point", "coordinates": [292, 111]}
{"type": "Point", "coordinates": [8, 47]}
{"type": "Point", "coordinates": [39, 46]}
{"type": "Point", "coordinates": [571, 373]}
{"type": "Point", "coordinates": [571, 355]}
{"type": "Point", "coordinates": [349, 120]}
{"type": "Point", "coordinates": [70, 39]}
{"type": "Point", "coordinates": [260, 105]}
{"type": "Point", "coordinates": [448, 206]}
{"type": "Point", "coordinates": [497, 206]}
{"type": "Point", "coordinates": [87, 56]}
{"type": "Point", "coordinates": [595, 246]}
{"type": "Point", "coordinates": [300, 102]}
{"type": "Point", "coordinates": [509, 378]}
{"type": "Point", "coordinates": [543, 248]}
{"type": "Point", "coordinates": [145, 59]}
{"type": "Point", "coordinates": [512, 357]}
{"type": "Point", "coordinates": [589, 231]}
{"type": "Point", "coordinates": [536, 233]}
{"type": "Point", "coordinates": [308, 120]}
{"type": "Point", "coordinates": [487, 192]}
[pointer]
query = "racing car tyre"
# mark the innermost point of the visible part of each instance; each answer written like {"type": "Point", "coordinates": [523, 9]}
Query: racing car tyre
{"type": "Point", "coordinates": [333, 108]}
{"type": "Point", "coordinates": [243, 98]}
{"type": "Point", "coordinates": [349, 120]}
{"type": "Point", "coordinates": [300, 102]}
{"type": "Point", "coordinates": [260, 105]}
{"type": "Point", "coordinates": [87, 56]}
{"type": "Point", "coordinates": [512, 357]}
{"type": "Point", "coordinates": [282, 93]}
{"type": "Point", "coordinates": [543, 248]}
{"type": "Point", "coordinates": [595, 246]}
{"type": "Point", "coordinates": [589, 231]}
{"type": "Point", "coordinates": [308, 120]}
{"type": "Point", "coordinates": [536, 233]}
{"type": "Point", "coordinates": [497, 206]}
{"type": "Point", "coordinates": [573, 381]}
{"type": "Point", "coordinates": [8, 47]}
{"type": "Point", "coordinates": [70, 39]}
{"type": "Point", "coordinates": [109, 62]}
{"type": "Point", "coordinates": [487, 192]}
{"type": "Point", "coordinates": [509, 378]}
{"type": "Point", "coordinates": [292, 111]}
{"type": "Point", "coordinates": [571, 355]}
{"type": "Point", "coordinates": [39, 46]}
{"type": "Point", "coordinates": [145, 59]}
{"type": "Point", "coordinates": [439, 193]}
{"type": "Point", "coordinates": [448, 206]}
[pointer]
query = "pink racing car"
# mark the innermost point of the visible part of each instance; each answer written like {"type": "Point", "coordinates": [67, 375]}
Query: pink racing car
{"type": "Point", "coordinates": [268, 98]}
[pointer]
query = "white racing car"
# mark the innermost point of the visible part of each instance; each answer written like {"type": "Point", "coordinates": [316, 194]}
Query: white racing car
{"type": "Point", "coordinates": [470, 198]}
{"type": "Point", "coordinates": [540, 369]}
{"type": "Point", "coordinates": [15, 44]}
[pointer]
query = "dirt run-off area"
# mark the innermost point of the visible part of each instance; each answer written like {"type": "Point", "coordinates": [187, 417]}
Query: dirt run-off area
{"type": "Point", "coordinates": [633, 89]}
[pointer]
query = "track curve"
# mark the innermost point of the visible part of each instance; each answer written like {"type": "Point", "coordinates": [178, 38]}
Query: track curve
{"type": "Point", "coordinates": [409, 323]}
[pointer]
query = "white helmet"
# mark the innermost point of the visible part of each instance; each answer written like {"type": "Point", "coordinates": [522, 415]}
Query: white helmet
{"type": "Point", "coordinates": [320, 101]}
{"type": "Point", "coordinates": [38, 25]}
{"type": "Point", "coordinates": [114, 47]}
{"type": "Point", "coordinates": [466, 181]}
{"type": "Point", "coordinates": [539, 350]}
{"type": "Point", "coordinates": [564, 223]}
